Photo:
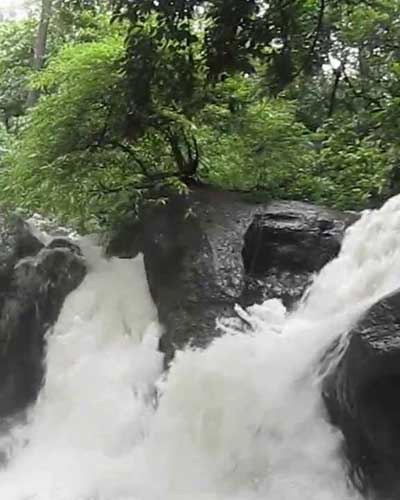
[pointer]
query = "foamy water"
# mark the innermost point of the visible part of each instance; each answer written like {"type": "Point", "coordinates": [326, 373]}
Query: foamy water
{"type": "Point", "coordinates": [241, 420]}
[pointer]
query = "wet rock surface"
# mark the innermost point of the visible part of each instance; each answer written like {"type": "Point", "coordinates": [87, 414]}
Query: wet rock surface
{"type": "Point", "coordinates": [208, 251]}
{"type": "Point", "coordinates": [362, 398]}
{"type": "Point", "coordinates": [16, 241]}
{"type": "Point", "coordinates": [34, 283]}
{"type": "Point", "coordinates": [286, 243]}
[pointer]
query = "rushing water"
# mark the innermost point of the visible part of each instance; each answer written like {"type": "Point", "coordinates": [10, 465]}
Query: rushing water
{"type": "Point", "coordinates": [241, 420]}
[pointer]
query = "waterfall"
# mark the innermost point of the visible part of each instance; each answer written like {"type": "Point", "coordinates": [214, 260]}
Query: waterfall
{"type": "Point", "coordinates": [240, 420]}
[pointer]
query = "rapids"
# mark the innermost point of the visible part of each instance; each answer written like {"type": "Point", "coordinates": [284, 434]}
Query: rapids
{"type": "Point", "coordinates": [241, 420]}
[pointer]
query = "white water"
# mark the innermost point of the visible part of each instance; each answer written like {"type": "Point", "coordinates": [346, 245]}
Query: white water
{"type": "Point", "coordinates": [242, 420]}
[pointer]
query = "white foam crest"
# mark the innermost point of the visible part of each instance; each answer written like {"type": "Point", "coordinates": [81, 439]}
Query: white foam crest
{"type": "Point", "coordinates": [46, 230]}
{"type": "Point", "coordinates": [98, 398]}
{"type": "Point", "coordinates": [367, 268]}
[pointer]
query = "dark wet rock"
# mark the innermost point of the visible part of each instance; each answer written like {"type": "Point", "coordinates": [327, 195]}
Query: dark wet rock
{"type": "Point", "coordinates": [285, 245]}
{"type": "Point", "coordinates": [32, 293]}
{"type": "Point", "coordinates": [126, 240]}
{"type": "Point", "coordinates": [65, 243]}
{"type": "Point", "coordinates": [362, 396]}
{"type": "Point", "coordinates": [208, 251]}
{"type": "Point", "coordinates": [16, 241]}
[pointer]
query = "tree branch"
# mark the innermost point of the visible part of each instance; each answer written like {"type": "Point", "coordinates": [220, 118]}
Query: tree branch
{"type": "Point", "coordinates": [360, 95]}
{"type": "Point", "coordinates": [127, 149]}
{"type": "Point", "coordinates": [137, 186]}
{"type": "Point", "coordinates": [317, 32]}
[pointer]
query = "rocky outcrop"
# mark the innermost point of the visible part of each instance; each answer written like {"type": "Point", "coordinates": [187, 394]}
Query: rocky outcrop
{"type": "Point", "coordinates": [362, 396]}
{"type": "Point", "coordinates": [16, 241]}
{"type": "Point", "coordinates": [286, 243]}
{"type": "Point", "coordinates": [208, 251]}
{"type": "Point", "coordinates": [34, 283]}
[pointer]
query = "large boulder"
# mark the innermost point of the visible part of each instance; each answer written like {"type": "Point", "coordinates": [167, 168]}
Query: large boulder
{"type": "Point", "coordinates": [16, 241]}
{"type": "Point", "coordinates": [285, 245]}
{"type": "Point", "coordinates": [34, 283]}
{"type": "Point", "coordinates": [206, 252]}
{"type": "Point", "coordinates": [362, 396]}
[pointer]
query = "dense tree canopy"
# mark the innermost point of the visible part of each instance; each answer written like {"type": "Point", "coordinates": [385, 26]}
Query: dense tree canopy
{"type": "Point", "coordinates": [282, 99]}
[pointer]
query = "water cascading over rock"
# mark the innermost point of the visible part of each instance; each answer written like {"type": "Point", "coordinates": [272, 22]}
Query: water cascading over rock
{"type": "Point", "coordinates": [206, 252]}
{"type": "Point", "coordinates": [285, 405]}
{"type": "Point", "coordinates": [229, 251]}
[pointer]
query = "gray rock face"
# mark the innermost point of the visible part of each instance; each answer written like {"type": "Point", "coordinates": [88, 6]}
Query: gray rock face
{"type": "Point", "coordinates": [208, 251]}
{"type": "Point", "coordinates": [31, 295]}
{"type": "Point", "coordinates": [363, 399]}
{"type": "Point", "coordinates": [286, 244]}
{"type": "Point", "coordinates": [16, 242]}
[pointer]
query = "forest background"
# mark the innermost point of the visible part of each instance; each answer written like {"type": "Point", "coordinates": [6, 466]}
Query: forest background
{"type": "Point", "coordinates": [107, 104]}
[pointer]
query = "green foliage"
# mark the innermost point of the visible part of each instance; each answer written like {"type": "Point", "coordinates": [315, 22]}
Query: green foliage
{"type": "Point", "coordinates": [353, 169]}
{"type": "Point", "coordinates": [53, 166]}
{"type": "Point", "coordinates": [235, 34]}
{"type": "Point", "coordinates": [291, 99]}
{"type": "Point", "coordinates": [5, 142]}
{"type": "Point", "coordinates": [16, 49]}
{"type": "Point", "coordinates": [255, 143]}
{"type": "Point", "coordinates": [71, 159]}
{"type": "Point", "coordinates": [82, 25]}
{"type": "Point", "coordinates": [75, 105]}
{"type": "Point", "coordinates": [16, 41]}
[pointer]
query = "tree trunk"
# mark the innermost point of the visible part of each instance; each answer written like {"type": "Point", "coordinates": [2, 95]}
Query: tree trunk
{"type": "Point", "coordinates": [332, 101]}
{"type": "Point", "coordinates": [40, 45]}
